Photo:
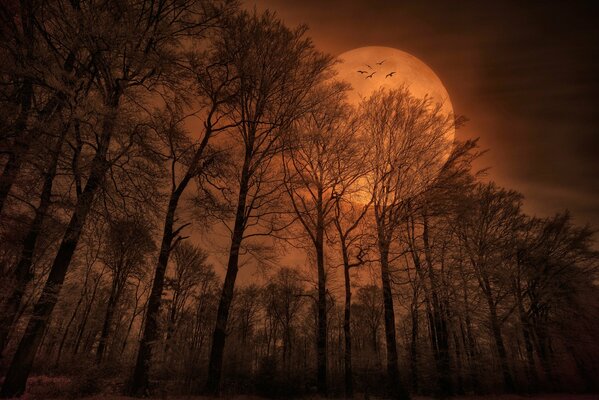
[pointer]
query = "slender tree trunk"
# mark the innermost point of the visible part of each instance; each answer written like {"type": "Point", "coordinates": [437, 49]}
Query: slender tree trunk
{"type": "Point", "coordinates": [67, 329]}
{"type": "Point", "coordinates": [414, 344]}
{"type": "Point", "coordinates": [88, 308]}
{"type": "Point", "coordinates": [140, 383]}
{"type": "Point", "coordinates": [222, 316]}
{"type": "Point", "coordinates": [458, 363]}
{"type": "Point", "coordinates": [468, 336]}
{"type": "Point", "coordinates": [501, 352]}
{"type": "Point", "coordinates": [440, 339]}
{"type": "Point", "coordinates": [129, 327]}
{"type": "Point", "coordinates": [397, 388]}
{"type": "Point", "coordinates": [531, 371]}
{"type": "Point", "coordinates": [349, 384]}
{"type": "Point", "coordinates": [321, 337]}
{"type": "Point", "coordinates": [108, 317]}
{"type": "Point", "coordinates": [23, 273]}
{"type": "Point", "coordinates": [171, 326]}
{"type": "Point", "coordinates": [18, 372]}
{"type": "Point", "coordinates": [543, 349]}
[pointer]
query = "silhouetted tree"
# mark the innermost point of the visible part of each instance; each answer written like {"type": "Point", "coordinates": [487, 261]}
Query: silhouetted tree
{"type": "Point", "coordinates": [275, 70]}
{"type": "Point", "coordinates": [410, 140]}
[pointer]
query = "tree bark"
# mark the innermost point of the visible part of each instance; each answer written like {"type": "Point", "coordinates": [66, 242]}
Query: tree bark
{"type": "Point", "coordinates": [140, 383]}
{"type": "Point", "coordinates": [321, 340]}
{"type": "Point", "coordinates": [397, 388]}
{"type": "Point", "coordinates": [501, 352]}
{"type": "Point", "coordinates": [67, 329]}
{"type": "Point", "coordinates": [23, 273]}
{"type": "Point", "coordinates": [18, 372]}
{"type": "Point", "coordinates": [108, 317]}
{"type": "Point", "coordinates": [414, 344]}
{"type": "Point", "coordinates": [440, 336]}
{"type": "Point", "coordinates": [349, 384]}
{"type": "Point", "coordinates": [222, 316]}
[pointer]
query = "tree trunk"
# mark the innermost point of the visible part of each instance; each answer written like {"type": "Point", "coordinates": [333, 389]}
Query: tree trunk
{"type": "Point", "coordinates": [67, 330]}
{"type": "Point", "coordinates": [531, 371]}
{"type": "Point", "coordinates": [397, 388]}
{"type": "Point", "coordinates": [458, 364]}
{"type": "Point", "coordinates": [501, 352]}
{"type": "Point", "coordinates": [349, 385]}
{"type": "Point", "coordinates": [140, 383]}
{"type": "Point", "coordinates": [108, 317]}
{"type": "Point", "coordinates": [18, 372]}
{"type": "Point", "coordinates": [414, 344]}
{"type": "Point", "coordinates": [222, 316]}
{"type": "Point", "coordinates": [440, 337]}
{"type": "Point", "coordinates": [321, 339]}
{"type": "Point", "coordinates": [88, 308]}
{"type": "Point", "coordinates": [170, 330]}
{"type": "Point", "coordinates": [23, 273]}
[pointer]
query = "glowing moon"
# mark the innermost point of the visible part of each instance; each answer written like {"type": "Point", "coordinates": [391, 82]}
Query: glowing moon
{"type": "Point", "coordinates": [390, 68]}
{"type": "Point", "coordinates": [368, 69]}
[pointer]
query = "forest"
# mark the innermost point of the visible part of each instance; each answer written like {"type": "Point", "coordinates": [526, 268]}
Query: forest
{"type": "Point", "coordinates": [189, 205]}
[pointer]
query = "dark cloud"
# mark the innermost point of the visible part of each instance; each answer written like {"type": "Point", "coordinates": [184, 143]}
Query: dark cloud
{"type": "Point", "coordinates": [526, 74]}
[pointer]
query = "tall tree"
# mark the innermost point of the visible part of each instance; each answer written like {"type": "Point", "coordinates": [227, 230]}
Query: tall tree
{"type": "Point", "coordinates": [322, 165]}
{"type": "Point", "coordinates": [410, 140]}
{"type": "Point", "coordinates": [189, 160]}
{"type": "Point", "coordinates": [276, 69]}
{"type": "Point", "coordinates": [129, 242]}
{"type": "Point", "coordinates": [487, 230]}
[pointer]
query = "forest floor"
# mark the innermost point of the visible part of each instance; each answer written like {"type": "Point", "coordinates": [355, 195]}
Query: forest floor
{"type": "Point", "coordinates": [43, 387]}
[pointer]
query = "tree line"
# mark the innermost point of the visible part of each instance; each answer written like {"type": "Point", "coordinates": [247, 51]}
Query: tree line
{"type": "Point", "coordinates": [145, 143]}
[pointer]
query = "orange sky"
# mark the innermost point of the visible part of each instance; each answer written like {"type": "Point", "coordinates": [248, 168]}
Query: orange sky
{"type": "Point", "coordinates": [526, 77]}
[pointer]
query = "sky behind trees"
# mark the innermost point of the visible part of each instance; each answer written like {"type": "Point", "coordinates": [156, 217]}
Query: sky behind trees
{"type": "Point", "coordinates": [524, 74]}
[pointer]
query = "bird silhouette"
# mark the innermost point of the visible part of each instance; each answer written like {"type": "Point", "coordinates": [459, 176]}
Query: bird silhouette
{"type": "Point", "coordinates": [369, 66]}
{"type": "Point", "coordinates": [370, 76]}
{"type": "Point", "coordinates": [390, 74]}
{"type": "Point", "coordinates": [362, 72]}
{"type": "Point", "coordinates": [380, 62]}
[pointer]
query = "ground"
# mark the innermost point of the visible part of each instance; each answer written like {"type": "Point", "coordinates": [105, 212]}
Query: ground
{"type": "Point", "coordinates": [62, 388]}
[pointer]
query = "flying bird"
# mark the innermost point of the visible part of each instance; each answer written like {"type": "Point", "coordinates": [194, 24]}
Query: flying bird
{"type": "Point", "coordinates": [368, 66]}
{"type": "Point", "coordinates": [362, 72]}
{"type": "Point", "coordinates": [390, 74]}
{"type": "Point", "coordinates": [381, 62]}
{"type": "Point", "coordinates": [370, 76]}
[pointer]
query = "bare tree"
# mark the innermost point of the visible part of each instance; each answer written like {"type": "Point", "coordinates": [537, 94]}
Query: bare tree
{"type": "Point", "coordinates": [275, 69]}
{"type": "Point", "coordinates": [129, 242]}
{"type": "Point", "coordinates": [487, 229]}
{"type": "Point", "coordinates": [322, 166]}
{"type": "Point", "coordinates": [190, 265]}
{"type": "Point", "coordinates": [409, 137]}
{"type": "Point", "coordinates": [189, 160]}
{"type": "Point", "coordinates": [347, 218]}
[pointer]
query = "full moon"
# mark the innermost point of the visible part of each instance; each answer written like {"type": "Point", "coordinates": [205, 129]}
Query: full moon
{"type": "Point", "coordinates": [371, 68]}
{"type": "Point", "coordinates": [368, 69]}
